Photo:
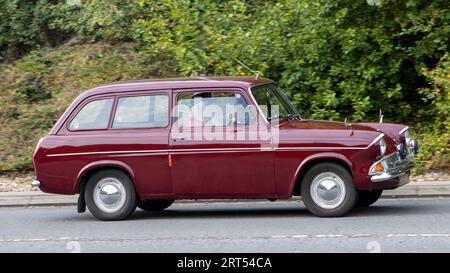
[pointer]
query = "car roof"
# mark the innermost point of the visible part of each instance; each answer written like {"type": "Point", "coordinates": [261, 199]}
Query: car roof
{"type": "Point", "coordinates": [178, 83]}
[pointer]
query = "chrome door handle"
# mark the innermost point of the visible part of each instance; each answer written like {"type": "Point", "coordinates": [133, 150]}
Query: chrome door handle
{"type": "Point", "coordinates": [178, 138]}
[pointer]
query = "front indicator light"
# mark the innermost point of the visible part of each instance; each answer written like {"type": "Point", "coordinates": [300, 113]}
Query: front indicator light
{"type": "Point", "coordinates": [378, 168]}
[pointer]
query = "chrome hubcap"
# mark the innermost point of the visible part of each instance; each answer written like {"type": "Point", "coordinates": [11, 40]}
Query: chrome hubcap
{"type": "Point", "coordinates": [109, 195]}
{"type": "Point", "coordinates": [328, 190]}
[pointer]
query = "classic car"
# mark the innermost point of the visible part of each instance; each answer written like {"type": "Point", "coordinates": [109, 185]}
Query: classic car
{"type": "Point", "coordinates": [148, 143]}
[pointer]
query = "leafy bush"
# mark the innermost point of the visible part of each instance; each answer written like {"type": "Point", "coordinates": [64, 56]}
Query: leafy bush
{"type": "Point", "coordinates": [26, 114]}
{"type": "Point", "coordinates": [435, 134]}
{"type": "Point", "coordinates": [335, 59]}
{"type": "Point", "coordinates": [27, 25]}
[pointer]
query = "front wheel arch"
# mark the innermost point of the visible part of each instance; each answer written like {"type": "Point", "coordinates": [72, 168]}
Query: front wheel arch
{"type": "Point", "coordinates": [308, 163]}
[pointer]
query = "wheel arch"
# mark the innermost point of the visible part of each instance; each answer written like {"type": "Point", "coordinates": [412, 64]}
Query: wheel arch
{"type": "Point", "coordinates": [313, 160]}
{"type": "Point", "coordinates": [90, 169]}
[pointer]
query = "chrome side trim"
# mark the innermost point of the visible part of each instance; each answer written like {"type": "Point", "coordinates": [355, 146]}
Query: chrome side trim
{"type": "Point", "coordinates": [165, 151]}
{"type": "Point", "coordinates": [403, 130]}
{"type": "Point", "coordinates": [319, 148]}
{"type": "Point", "coordinates": [161, 152]}
{"type": "Point", "coordinates": [375, 140]}
{"type": "Point", "coordinates": [332, 148]}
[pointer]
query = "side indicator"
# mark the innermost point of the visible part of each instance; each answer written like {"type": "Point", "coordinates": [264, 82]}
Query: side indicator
{"type": "Point", "coordinates": [170, 160]}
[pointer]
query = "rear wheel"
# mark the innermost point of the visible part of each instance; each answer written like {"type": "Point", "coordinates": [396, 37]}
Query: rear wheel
{"type": "Point", "coordinates": [110, 195]}
{"type": "Point", "coordinates": [155, 205]}
{"type": "Point", "coordinates": [368, 197]}
{"type": "Point", "coordinates": [327, 190]}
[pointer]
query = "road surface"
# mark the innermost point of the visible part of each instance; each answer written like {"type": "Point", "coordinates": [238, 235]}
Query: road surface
{"type": "Point", "coordinates": [391, 225]}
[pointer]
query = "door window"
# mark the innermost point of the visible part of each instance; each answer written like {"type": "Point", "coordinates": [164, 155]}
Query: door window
{"type": "Point", "coordinates": [142, 112]}
{"type": "Point", "coordinates": [213, 109]}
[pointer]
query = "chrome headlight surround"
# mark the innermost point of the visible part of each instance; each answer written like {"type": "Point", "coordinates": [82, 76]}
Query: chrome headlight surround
{"type": "Point", "coordinates": [382, 144]}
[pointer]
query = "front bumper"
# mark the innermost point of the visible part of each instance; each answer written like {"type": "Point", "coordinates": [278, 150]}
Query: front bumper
{"type": "Point", "coordinates": [393, 166]}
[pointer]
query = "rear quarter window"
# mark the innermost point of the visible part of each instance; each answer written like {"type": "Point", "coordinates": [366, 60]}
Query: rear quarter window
{"type": "Point", "coordinates": [93, 116]}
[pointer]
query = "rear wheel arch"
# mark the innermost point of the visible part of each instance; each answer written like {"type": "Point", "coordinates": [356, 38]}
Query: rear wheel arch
{"type": "Point", "coordinates": [308, 163]}
{"type": "Point", "coordinates": [90, 170]}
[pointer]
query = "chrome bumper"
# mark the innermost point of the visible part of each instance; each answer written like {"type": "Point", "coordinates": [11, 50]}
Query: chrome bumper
{"type": "Point", "coordinates": [394, 166]}
{"type": "Point", "coordinates": [35, 184]}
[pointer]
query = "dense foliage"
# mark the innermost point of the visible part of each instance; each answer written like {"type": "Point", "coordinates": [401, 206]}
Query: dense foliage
{"type": "Point", "coordinates": [335, 59]}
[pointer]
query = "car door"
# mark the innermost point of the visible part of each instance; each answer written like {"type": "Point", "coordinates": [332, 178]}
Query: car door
{"type": "Point", "coordinates": [217, 154]}
{"type": "Point", "coordinates": [141, 124]}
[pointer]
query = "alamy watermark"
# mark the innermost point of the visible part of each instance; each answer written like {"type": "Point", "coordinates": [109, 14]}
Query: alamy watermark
{"type": "Point", "coordinates": [217, 123]}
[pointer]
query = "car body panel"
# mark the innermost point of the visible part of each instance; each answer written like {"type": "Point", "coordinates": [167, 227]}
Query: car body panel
{"type": "Point", "coordinates": [161, 167]}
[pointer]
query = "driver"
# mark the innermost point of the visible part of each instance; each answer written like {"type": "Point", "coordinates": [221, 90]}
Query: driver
{"type": "Point", "coordinates": [197, 118]}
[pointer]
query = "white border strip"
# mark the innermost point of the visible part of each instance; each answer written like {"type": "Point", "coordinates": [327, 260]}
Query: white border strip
{"type": "Point", "coordinates": [332, 148]}
{"type": "Point", "coordinates": [375, 140]}
{"type": "Point", "coordinates": [403, 130]}
{"type": "Point", "coordinates": [164, 152]}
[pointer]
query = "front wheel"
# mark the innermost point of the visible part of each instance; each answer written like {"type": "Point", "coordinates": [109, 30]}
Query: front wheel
{"type": "Point", "coordinates": [155, 205]}
{"type": "Point", "coordinates": [327, 190]}
{"type": "Point", "coordinates": [368, 197]}
{"type": "Point", "coordinates": [110, 195]}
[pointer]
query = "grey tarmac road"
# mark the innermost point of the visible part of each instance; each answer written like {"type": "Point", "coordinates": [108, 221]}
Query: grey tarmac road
{"type": "Point", "coordinates": [391, 225]}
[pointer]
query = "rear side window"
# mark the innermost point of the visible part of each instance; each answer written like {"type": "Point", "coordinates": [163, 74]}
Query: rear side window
{"type": "Point", "coordinates": [94, 115]}
{"type": "Point", "coordinates": [142, 112]}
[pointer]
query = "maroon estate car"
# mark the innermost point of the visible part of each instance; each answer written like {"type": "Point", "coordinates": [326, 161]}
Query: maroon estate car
{"type": "Point", "coordinates": [147, 143]}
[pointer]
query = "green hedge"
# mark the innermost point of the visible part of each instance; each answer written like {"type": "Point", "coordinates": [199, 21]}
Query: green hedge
{"type": "Point", "coordinates": [335, 59]}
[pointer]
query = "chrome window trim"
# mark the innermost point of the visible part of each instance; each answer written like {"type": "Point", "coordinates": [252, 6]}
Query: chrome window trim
{"type": "Point", "coordinates": [261, 114]}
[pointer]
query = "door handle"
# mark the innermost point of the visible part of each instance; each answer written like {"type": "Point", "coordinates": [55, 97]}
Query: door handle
{"type": "Point", "coordinates": [178, 138]}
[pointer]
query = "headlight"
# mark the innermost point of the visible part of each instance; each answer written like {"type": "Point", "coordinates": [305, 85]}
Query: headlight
{"type": "Point", "coordinates": [407, 137]}
{"type": "Point", "coordinates": [382, 144]}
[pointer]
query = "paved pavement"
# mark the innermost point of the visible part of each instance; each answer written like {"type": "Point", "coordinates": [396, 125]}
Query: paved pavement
{"type": "Point", "coordinates": [38, 198]}
{"type": "Point", "coordinates": [391, 225]}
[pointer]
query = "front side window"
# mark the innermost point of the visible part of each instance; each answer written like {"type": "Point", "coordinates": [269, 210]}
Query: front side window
{"type": "Point", "coordinates": [142, 112]}
{"type": "Point", "coordinates": [213, 109]}
{"type": "Point", "coordinates": [93, 116]}
{"type": "Point", "coordinates": [273, 102]}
